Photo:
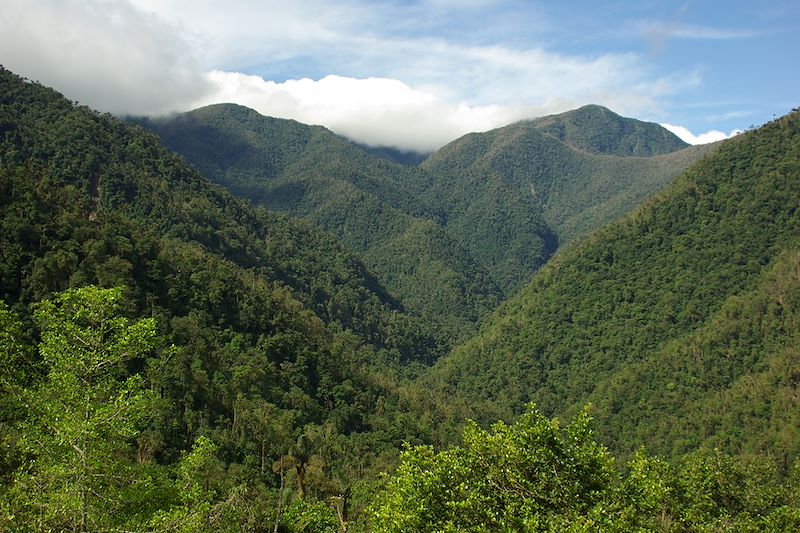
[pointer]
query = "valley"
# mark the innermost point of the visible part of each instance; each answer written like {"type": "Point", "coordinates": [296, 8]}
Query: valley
{"type": "Point", "coordinates": [221, 321]}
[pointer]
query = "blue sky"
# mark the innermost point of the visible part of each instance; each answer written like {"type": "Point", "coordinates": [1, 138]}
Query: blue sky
{"type": "Point", "coordinates": [417, 74]}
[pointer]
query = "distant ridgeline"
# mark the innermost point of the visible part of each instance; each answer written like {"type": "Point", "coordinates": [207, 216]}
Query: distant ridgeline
{"type": "Point", "coordinates": [454, 236]}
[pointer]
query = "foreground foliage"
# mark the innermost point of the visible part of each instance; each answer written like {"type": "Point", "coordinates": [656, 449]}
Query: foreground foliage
{"type": "Point", "coordinates": [81, 441]}
{"type": "Point", "coordinates": [538, 476]}
{"type": "Point", "coordinates": [79, 446]}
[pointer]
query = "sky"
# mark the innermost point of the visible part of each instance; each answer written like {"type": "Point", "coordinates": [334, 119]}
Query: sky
{"type": "Point", "coordinates": [417, 74]}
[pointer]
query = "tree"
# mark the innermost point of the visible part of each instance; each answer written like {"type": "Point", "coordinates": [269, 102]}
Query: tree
{"type": "Point", "coordinates": [16, 364]}
{"type": "Point", "coordinates": [199, 472]}
{"type": "Point", "coordinates": [16, 370]}
{"type": "Point", "coordinates": [84, 415]}
{"type": "Point", "coordinates": [530, 476]}
{"type": "Point", "coordinates": [536, 476]}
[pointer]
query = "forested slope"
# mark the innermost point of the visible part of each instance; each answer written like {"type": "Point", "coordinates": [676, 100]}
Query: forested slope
{"type": "Point", "coordinates": [730, 384]}
{"type": "Point", "coordinates": [677, 322]}
{"type": "Point", "coordinates": [485, 212]}
{"type": "Point", "coordinates": [362, 199]}
{"type": "Point", "coordinates": [596, 129]}
{"type": "Point", "coordinates": [516, 194]}
{"type": "Point", "coordinates": [256, 332]}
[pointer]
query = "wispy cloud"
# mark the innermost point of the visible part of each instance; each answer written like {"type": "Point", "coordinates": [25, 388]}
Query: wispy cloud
{"type": "Point", "coordinates": [676, 30]}
{"type": "Point", "coordinates": [244, 32]}
{"type": "Point", "coordinates": [728, 115]}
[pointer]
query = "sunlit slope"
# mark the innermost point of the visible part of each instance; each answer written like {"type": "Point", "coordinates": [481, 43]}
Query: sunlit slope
{"type": "Point", "coordinates": [515, 194]}
{"type": "Point", "coordinates": [625, 310]}
{"type": "Point", "coordinates": [309, 172]}
{"type": "Point", "coordinates": [596, 129]}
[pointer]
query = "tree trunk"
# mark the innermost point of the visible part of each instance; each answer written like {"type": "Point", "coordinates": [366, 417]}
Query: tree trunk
{"type": "Point", "coordinates": [341, 510]}
{"type": "Point", "coordinates": [301, 479]}
{"type": "Point", "coordinates": [280, 501]}
{"type": "Point", "coordinates": [263, 447]}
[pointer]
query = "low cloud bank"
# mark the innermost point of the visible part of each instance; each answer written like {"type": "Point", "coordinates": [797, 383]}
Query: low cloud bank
{"type": "Point", "coordinates": [373, 111]}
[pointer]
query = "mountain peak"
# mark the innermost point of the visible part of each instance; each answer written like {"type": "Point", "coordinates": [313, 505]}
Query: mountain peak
{"type": "Point", "coordinates": [597, 129]}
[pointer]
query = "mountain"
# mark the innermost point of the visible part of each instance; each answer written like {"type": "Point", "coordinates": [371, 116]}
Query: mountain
{"type": "Point", "coordinates": [514, 195]}
{"type": "Point", "coordinates": [486, 211]}
{"type": "Point", "coordinates": [309, 172]}
{"type": "Point", "coordinates": [678, 323]}
{"type": "Point", "coordinates": [174, 358]}
{"type": "Point", "coordinates": [259, 309]}
{"type": "Point", "coordinates": [599, 130]}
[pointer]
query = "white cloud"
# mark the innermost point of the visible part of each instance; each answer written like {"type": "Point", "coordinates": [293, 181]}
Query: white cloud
{"type": "Point", "coordinates": [679, 30]}
{"type": "Point", "coordinates": [388, 112]}
{"type": "Point", "coordinates": [375, 111]}
{"type": "Point", "coordinates": [450, 89]}
{"type": "Point", "coordinates": [240, 33]}
{"type": "Point", "coordinates": [157, 56]}
{"type": "Point", "coordinates": [704, 138]}
{"type": "Point", "coordinates": [106, 54]}
{"type": "Point", "coordinates": [359, 39]}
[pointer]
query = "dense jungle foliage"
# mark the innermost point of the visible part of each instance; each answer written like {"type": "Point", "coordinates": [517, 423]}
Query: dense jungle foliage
{"type": "Point", "coordinates": [174, 359]}
{"type": "Point", "coordinates": [678, 323]}
{"type": "Point", "coordinates": [467, 227]}
{"type": "Point", "coordinates": [269, 337]}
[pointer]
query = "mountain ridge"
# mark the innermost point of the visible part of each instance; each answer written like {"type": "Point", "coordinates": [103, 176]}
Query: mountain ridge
{"type": "Point", "coordinates": [572, 192]}
{"type": "Point", "coordinates": [597, 129]}
{"type": "Point", "coordinates": [631, 288]}
{"type": "Point", "coordinates": [487, 207]}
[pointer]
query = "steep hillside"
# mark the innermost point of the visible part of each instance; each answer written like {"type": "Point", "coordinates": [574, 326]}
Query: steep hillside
{"type": "Point", "coordinates": [599, 130]}
{"type": "Point", "coordinates": [237, 147]}
{"type": "Point", "coordinates": [515, 194]}
{"type": "Point", "coordinates": [501, 203]}
{"type": "Point", "coordinates": [263, 312]}
{"type": "Point", "coordinates": [360, 198]}
{"type": "Point", "coordinates": [731, 383]}
{"type": "Point", "coordinates": [111, 170]}
{"type": "Point", "coordinates": [678, 322]}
